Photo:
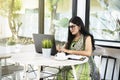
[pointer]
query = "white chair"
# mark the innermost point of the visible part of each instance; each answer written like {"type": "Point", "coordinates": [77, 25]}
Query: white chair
{"type": "Point", "coordinates": [9, 70]}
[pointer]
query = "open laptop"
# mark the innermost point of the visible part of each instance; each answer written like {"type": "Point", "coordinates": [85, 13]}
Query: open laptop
{"type": "Point", "coordinates": [38, 42]}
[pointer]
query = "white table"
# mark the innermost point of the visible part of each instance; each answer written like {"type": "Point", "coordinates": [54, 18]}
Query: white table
{"type": "Point", "coordinates": [36, 59]}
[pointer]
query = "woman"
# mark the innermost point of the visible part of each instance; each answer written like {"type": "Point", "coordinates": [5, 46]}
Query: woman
{"type": "Point", "coordinates": [80, 42]}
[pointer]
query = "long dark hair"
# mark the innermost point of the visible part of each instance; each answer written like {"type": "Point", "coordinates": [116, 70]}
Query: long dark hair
{"type": "Point", "coordinates": [78, 21]}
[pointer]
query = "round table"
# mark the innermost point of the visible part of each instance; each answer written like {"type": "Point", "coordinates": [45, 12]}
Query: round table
{"type": "Point", "coordinates": [33, 58]}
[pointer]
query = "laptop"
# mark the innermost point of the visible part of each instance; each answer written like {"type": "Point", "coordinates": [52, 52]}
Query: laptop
{"type": "Point", "coordinates": [37, 38]}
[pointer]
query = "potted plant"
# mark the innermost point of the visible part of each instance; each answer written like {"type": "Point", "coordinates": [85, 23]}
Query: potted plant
{"type": "Point", "coordinates": [11, 44]}
{"type": "Point", "coordinates": [46, 47]}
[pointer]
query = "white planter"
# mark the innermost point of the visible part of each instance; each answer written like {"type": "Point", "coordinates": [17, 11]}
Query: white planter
{"type": "Point", "coordinates": [13, 48]}
{"type": "Point", "coordinates": [46, 52]}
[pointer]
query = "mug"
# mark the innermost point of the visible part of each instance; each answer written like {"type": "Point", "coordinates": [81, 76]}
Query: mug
{"type": "Point", "coordinates": [60, 55]}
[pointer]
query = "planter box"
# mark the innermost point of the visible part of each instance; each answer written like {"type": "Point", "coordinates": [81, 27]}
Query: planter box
{"type": "Point", "coordinates": [13, 48]}
{"type": "Point", "coordinates": [46, 52]}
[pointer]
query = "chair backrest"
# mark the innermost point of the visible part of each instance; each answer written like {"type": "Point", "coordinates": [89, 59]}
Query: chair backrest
{"type": "Point", "coordinates": [109, 68]}
{"type": "Point", "coordinates": [107, 64]}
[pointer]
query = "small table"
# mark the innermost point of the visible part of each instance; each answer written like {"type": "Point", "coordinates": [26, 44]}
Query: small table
{"type": "Point", "coordinates": [38, 60]}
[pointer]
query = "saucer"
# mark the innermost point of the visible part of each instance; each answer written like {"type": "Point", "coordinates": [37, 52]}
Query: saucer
{"type": "Point", "coordinates": [61, 58]}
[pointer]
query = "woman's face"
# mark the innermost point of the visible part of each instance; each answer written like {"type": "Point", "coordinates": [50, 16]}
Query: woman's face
{"type": "Point", "coordinates": [74, 29]}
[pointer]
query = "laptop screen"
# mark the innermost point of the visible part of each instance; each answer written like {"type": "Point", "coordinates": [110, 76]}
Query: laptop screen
{"type": "Point", "coordinates": [38, 38]}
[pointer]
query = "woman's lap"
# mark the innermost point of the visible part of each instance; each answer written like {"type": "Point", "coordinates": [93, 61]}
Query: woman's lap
{"type": "Point", "coordinates": [83, 72]}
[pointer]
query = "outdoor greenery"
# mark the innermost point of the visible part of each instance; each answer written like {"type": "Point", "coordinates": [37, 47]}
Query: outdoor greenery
{"type": "Point", "coordinates": [106, 13]}
{"type": "Point", "coordinates": [55, 7]}
{"type": "Point", "coordinates": [62, 22]}
{"type": "Point", "coordinates": [109, 5]}
{"type": "Point", "coordinates": [10, 9]}
{"type": "Point", "coordinates": [11, 41]}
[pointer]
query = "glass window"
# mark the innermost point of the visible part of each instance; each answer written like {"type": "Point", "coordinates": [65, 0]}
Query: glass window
{"type": "Point", "coordinates": [29, 18]}
{"type": "Point", "coordinates": [81, 9]}
{"type": "Point", "coordinates": [57, 14]}
{"type": "Point", "coordinates": [18, 20]}
{"type": "Point", "coordinates": [105, 19]}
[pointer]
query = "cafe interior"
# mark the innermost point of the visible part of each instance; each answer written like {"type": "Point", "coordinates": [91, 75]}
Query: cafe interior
{"type": "Point", "coordinates": [22, 20]}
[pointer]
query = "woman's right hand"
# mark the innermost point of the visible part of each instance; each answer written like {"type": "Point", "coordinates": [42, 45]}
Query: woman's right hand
{"type": "Point", "coordinates": [58, 47]}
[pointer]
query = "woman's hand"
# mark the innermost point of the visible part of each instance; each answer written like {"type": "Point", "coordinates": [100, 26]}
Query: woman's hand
{"type": "Point", "coordinates": [64, 50]}
{"type": "Point", "coordinates": [58, 47]}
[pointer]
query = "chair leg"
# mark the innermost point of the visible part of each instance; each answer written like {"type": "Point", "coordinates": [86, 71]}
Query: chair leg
{"type": "Point", "coordinates": [14, 76]}
{"type": "Point", "coordinates": [18, 77]}
{"type": "Point", "coordinates": [0, 70]}
{"type": "Point", "coordinates": [119, 72]}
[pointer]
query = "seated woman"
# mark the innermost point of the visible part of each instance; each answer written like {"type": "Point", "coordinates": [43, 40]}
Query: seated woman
{"type": "Point", "coordinates": [80, 42]}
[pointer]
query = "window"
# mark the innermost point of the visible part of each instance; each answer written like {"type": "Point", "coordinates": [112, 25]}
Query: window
{"type": "Point", "coordinates": [81, 9]}
{"type": "Point", "coordinates": [57, 15]}
{"type": "Point", "coordinates": [105, 19]}
{"type": "Point", "coordinates": [18, 19]}
{"type": "Point", "coordinates": [29, 18]}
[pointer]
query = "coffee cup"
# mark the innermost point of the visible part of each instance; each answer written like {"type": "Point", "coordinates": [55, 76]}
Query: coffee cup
{"type": "Point", "coordinates": [60, 55]}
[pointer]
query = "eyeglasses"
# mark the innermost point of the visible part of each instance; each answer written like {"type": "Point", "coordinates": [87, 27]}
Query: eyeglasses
{"type": "Point", "coordinates": [72, 26]}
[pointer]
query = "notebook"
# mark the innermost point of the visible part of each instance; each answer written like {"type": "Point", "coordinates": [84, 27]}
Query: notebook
{"type": "Point", "coordinates": [37, 38]}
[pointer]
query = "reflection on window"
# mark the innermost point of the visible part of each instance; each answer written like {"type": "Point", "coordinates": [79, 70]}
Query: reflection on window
{"type": "Point", "coordinates": [57, 14]}
{"type": "Point", "coordinates": [105, 19]}
{"type": "Point", "coordinates": [18, 20]}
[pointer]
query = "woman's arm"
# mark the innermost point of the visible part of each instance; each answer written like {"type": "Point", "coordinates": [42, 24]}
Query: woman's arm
{"type": "Point", "coordinates": [59, 47]}
{"type": "Point", "coordinates": [86, 52]}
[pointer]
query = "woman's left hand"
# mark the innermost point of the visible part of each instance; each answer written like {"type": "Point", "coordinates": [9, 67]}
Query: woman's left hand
{"type": "Point", "coordinates": [64, 50]}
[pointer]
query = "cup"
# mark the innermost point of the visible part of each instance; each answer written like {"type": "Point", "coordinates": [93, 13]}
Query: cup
{"type": "Point", "coordinates": [60, 55]}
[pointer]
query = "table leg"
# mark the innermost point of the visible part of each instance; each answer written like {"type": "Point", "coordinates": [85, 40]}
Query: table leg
{"type": "Point", "coordinates": [26, 74]}
{"type": "Point", "coordinates": [38, 72]}
{"type": "Point", "coordinates": [0, 70]}
{"type": "Point", "coordinates": [74, 72]}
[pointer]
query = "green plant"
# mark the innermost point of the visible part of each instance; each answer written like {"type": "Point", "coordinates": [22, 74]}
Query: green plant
{"type": "Point", "coordinates": [11, 41]}
{"type": "Point", "coordinates": [47, 43]}
{"type": "Point", "coordinates": [10, 9]}
{"type": "Point", "coordinates": [62, 22]}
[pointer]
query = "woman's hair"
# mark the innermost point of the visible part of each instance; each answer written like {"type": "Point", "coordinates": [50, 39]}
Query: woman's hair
{"type": "Point", "coordinates": [78, 21]}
